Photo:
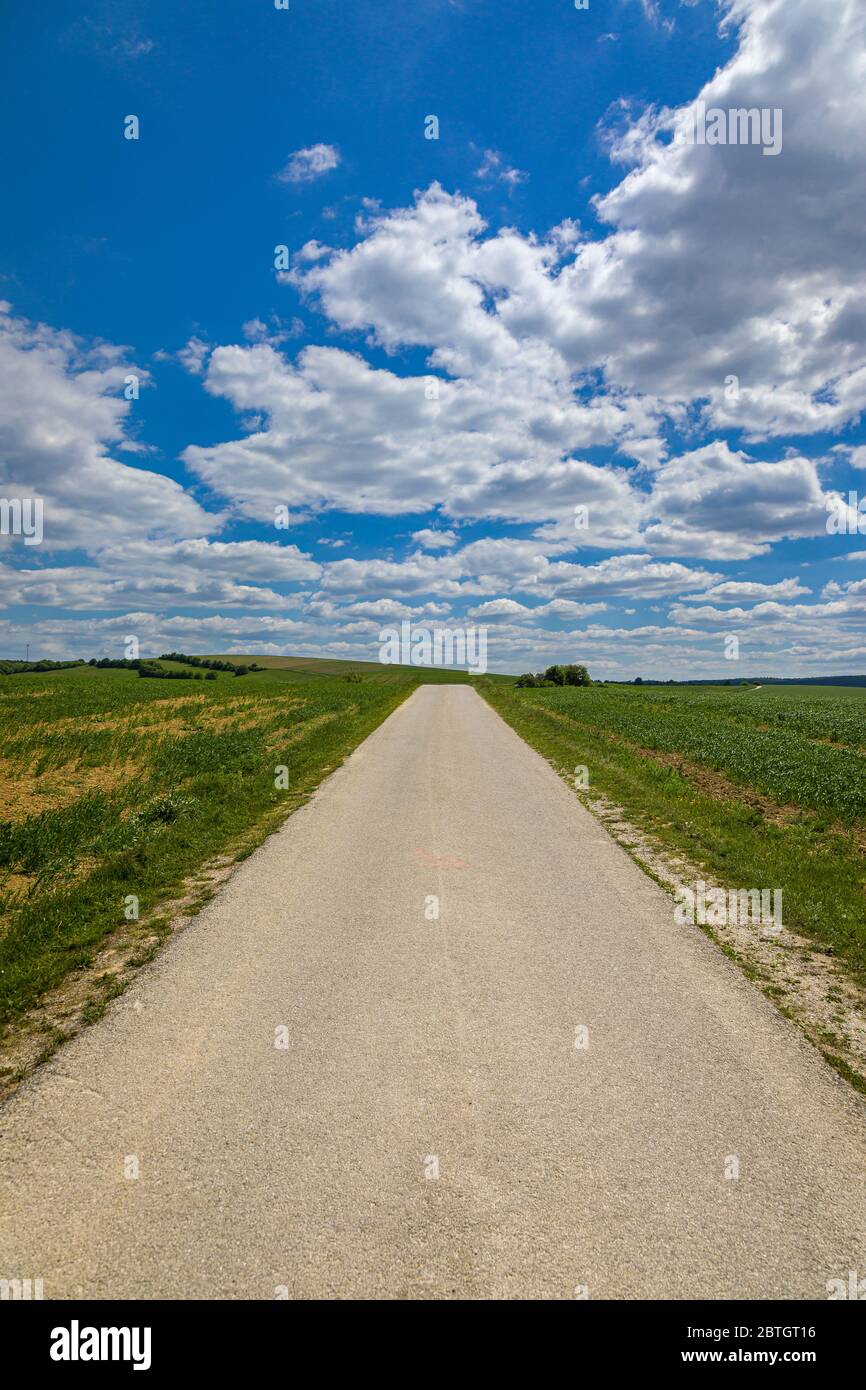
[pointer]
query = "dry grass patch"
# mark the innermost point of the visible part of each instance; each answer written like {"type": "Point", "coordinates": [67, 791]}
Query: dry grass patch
{"type": "Point", "coordinates": [24, 794]}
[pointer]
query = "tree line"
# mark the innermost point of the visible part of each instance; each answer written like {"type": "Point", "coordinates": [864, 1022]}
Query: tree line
{"type": "Point", "coordinates": [555, 675]}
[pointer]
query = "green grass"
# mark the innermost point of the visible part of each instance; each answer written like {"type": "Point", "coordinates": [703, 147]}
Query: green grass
{"type": "Point", "coordinates": [309, 667]}
{"type": "Point", "coordinates": [799, 752]}
{"type": "Point", "coordinates": [111, 785]}
{"type": "Point", "coordinates": [788, 810]}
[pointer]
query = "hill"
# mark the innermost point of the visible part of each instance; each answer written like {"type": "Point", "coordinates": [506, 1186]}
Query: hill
{"type": "Point", "coordinates": [313, 667]}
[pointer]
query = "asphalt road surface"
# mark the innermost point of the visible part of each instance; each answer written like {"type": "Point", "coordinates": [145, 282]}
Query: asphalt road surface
{"type": "Point", "coordinates": [431, 1129]}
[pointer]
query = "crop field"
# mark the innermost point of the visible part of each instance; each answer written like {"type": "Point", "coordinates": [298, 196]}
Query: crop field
{"type": "Point", "coordinates": [114, 787]}
{"type": "Point", "coordinates": [313, 668]}
{"type": "Point", "coordinates": [798, 750]}
{"type": "Point", "coordinates": [758, 787]}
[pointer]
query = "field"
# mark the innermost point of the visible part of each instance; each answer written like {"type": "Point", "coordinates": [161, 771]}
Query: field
{"type": "Point", "coordinates": [313, 668]}
{"type": "Point", "coordinates": [756, 787]}
{"type": "Point", "coordinates": [114, 787]}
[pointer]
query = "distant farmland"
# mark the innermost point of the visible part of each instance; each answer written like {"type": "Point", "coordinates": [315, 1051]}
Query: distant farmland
{"type": "Point", "coordinates": [303, 667]}
{"type": "Point", "coordinates": [114, 786]}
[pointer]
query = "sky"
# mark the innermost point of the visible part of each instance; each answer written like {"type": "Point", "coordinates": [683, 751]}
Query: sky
{"type": "Point", "coordinates": [440, 312]}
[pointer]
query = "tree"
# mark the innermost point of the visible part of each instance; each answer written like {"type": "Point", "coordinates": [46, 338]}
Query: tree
{"type": "Point", "coordinates": [573, 674]}
{"type": "Point", "coordinates": [555, 674]}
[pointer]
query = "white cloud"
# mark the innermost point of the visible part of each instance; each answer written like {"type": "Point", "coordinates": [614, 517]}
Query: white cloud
{"type": "Point", "coordinates": [493, 168]}
{"type": "Point", "coordinates": [541, 349]}
{"type": "Point", "coordinates": [343, 434]}
{"type": "Point", "coordinates": [719, 262]}
{"type": "Point", "coordinates": [718, 501]}
{"type": "Point", "coordinates": [274, 332]}
{"type": "Point", "coordinates": [498, 608]}
{"type": "Point", "coordinates": [154, 573]}
{"type": "Point", "coordinates": [565, 610]}
{"type": "Point", "coordinates": [748, 591]}
{"type": "Point", "coordinates": [435, 540]}
{"type": "Point", "coordinates": [193, 356]}
{"type": "Point", "coordinates": [310, 163]}
{"type": "Point", "coordinates": [62, 410]}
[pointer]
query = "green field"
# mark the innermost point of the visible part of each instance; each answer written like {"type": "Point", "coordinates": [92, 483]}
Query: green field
{"type": "Point", "coordinates": [309, 667]}
{"type": "Point", "coordinates": [756, 787]}
{"type": "Point", "coordinates": [112, 785]}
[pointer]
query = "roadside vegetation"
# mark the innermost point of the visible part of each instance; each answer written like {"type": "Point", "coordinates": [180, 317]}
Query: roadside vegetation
{"type": "Point", "coordinates": [114, 787]}
{"type": "Point", "coordinates": [755, 787]}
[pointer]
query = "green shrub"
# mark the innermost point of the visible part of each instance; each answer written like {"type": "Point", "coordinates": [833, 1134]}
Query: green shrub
{"type": "Point", "coordinates": [554, 675]}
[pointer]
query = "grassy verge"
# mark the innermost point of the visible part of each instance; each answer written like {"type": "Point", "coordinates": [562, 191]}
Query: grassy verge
{"type": "Point", "coordinates": [115, 788]}
{"type": "Point", "coordinates": [737, 839]}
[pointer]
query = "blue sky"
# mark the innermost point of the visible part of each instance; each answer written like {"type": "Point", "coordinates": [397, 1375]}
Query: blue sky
{"type": "Point", "coordinates": [671, 336]}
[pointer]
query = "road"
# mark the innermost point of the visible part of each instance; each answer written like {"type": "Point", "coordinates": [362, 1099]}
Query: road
{"type": "Point", "coordinates": [431, 1129]}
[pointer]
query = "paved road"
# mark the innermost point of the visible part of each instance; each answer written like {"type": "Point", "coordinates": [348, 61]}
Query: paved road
{"type": "Point", "coordinates": [419, 1045]}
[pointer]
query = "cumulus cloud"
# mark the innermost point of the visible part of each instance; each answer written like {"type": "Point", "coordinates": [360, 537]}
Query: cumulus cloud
{"type": "Point", "coordinates": [563, 610]}
{"type": "Point", "coordinates": [193, 355]}
{"type": "Point", "coordinates": [748, 591]}
{"type": "Point", "coordinates": [495, 169]}
{"type": "Point", "coordinates": [310, 163]}
{"type": "Point", "coordinates": [721, 281]}
{"type": "Point", "coordinates": [62, 412]}
{"type": "Point", "coordinates": [573, 384]}
{"type": "Point", "coordinates": [716, 501]}
{"type": "Point", "coordinates": [435, 540]}
{"type": "Point", "coordinates": [721, 261]}
{"type": "Point", "coordinates": [153, 573]}
{"type": "Point", "coordinates": [344, 434]}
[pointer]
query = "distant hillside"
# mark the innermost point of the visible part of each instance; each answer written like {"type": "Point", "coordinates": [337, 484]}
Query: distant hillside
{"type": "Point", "coordinates": [314, 667]}
{"type": "Point", "coordinates": [811, 680]}
{"type": "Point", "coordinates": [763, 680]}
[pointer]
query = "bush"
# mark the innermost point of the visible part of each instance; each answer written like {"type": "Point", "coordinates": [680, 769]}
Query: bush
{"type": "Point", "coordinates": [152, 670]}
{"type": "Point", "coordinates": [21, 668]}
{"type": "Point", "coordinates": [554, 675]}
{"type": "Point", "coordinates": [212, 663]}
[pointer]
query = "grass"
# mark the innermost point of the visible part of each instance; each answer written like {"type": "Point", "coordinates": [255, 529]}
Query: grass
{"type": "Point", "coordinates": [112, 787]}
{"type": "Point", "coordinates": [314, 668]}
{"type": "Point", "coordinates": [758, 788]}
